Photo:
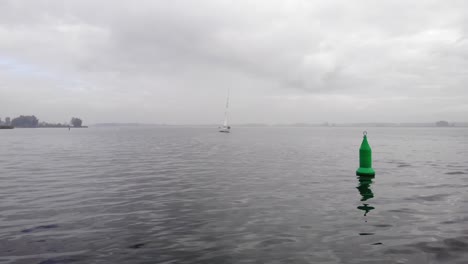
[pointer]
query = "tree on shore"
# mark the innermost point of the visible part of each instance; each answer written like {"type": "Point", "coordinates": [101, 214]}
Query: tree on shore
{"type": "Point", "coordinates": [25, 121]}
{"type": "Point", "coordinates": [76, 122]}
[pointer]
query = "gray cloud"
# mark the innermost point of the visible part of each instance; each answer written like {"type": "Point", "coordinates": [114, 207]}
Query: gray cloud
{"type": "Point", "coordinates": [285, 61]}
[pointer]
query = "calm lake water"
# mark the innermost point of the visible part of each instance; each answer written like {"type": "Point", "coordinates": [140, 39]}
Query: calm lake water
{"type": "Point", "coordinates": [257, 195]}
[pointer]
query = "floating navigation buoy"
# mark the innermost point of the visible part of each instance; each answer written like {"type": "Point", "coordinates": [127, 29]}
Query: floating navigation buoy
{"type": "Point", "coordinates": [365, 159]}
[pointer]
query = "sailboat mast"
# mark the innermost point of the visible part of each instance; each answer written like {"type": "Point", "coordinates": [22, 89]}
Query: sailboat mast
{"type": "Point", "coordinates": [226, 111]}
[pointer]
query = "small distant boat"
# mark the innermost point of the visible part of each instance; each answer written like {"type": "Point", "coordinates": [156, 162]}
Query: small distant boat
{"type": "Point", "coordinates": [226, 128]}
{"type": "Point", "coordinates": [6, 127]}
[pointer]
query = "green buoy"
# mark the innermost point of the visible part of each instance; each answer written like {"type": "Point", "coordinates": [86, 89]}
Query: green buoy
{"type": "Point", "coordinates": [365, 159]}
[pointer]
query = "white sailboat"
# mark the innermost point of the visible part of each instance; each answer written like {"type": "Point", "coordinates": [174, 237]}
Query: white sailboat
{"type": "Point", "coordinates": [226, 128]}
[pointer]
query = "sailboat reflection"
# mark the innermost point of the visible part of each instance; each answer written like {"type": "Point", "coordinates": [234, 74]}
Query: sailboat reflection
{"type": "Point", "coordinates": [364, 188]}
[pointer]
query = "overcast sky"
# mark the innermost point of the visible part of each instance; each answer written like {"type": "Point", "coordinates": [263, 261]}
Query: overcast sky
{"type": "Point", "coordinates": [284, 61]}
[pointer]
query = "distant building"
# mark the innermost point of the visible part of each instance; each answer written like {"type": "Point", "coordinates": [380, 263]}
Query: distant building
{"type": "Point", "coordinates": [7, 121]}
{"type": "Point", "coordinates": [442, 123]}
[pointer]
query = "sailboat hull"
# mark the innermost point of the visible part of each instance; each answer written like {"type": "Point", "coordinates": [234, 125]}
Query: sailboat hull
{"type": "Point", "coordinates": [224, 129]}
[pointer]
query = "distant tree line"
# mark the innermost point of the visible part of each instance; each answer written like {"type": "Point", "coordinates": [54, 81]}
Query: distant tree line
{"type": "Point", "coordinates": [45, 124]}
{"type": "Point", "coordinates": [32, 121]}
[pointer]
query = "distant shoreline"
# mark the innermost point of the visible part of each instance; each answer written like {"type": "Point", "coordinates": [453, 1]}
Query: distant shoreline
{"type": "Point", "coordinates": [415, 125]}
{"type": "Point", "coordinates": [58, 127]}
{"type": "Point", "coordinates": [11, 127]}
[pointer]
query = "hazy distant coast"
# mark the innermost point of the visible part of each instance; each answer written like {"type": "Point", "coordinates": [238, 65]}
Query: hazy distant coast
{"type": "Point", "coordinates": [368, 124]}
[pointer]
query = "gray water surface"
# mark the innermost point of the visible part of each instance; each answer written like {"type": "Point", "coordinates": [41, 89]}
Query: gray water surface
{"type": "Point", "coordinates": [257, 195]}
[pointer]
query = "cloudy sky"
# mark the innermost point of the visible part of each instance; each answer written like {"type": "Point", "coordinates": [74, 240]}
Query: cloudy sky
{"type": "Point", "coordinates": [284, 61]}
